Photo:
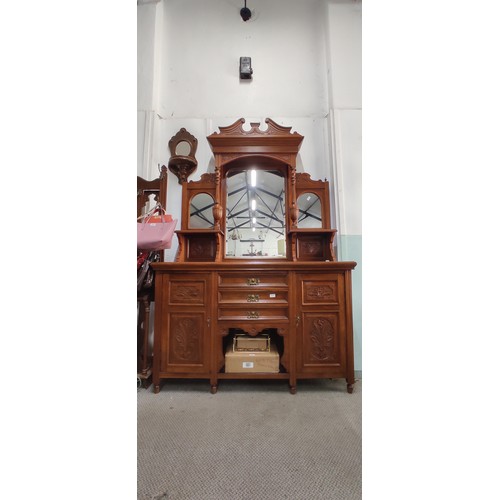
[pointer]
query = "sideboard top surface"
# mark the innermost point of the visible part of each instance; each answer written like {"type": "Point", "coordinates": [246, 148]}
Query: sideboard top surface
{"type": "Point", "coordinates": [236, 265]}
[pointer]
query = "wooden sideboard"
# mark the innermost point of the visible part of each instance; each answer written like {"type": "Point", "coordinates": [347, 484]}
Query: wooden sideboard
{"type": "Point", "coordinates": [256, 255]}
{"type": "Point", "coordinates": [304, 306]}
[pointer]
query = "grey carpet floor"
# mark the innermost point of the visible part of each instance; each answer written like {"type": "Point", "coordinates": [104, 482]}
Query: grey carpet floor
{"type": "Point", "coordinates": [252, 440]}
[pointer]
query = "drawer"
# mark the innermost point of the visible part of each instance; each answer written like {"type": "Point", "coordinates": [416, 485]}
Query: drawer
{"type": "Point", "coordinates": [257, 296]}
{"type": "Point", "coordinates": [253, 313]}
{"type": "Point", "coordinates": [253, 280]}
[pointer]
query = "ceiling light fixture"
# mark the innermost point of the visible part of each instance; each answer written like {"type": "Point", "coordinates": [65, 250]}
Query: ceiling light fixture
{"type": "Point", "coordinates": [245, 13]}
{"type": "Point", "coordinates": [253, 178]}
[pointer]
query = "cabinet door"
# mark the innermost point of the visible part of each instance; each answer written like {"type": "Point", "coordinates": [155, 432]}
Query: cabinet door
{"type": "Point", "coordinates": [186, 335]}
{"type": "Point", "coordinates": [321, 339]}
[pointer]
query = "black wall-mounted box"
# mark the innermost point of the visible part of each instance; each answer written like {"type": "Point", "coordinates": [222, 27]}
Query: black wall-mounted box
{"type": "Point", "coordinates": [246, 68]}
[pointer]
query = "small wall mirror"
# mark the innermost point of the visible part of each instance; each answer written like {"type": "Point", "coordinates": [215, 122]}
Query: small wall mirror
{"type": "Point", "coordinates": [309, 206]}
{"type": "Point", "coordinates": [183, 148]}
{"type": "Point", "coordinates": [200, 212]}
{"type": "Point", "coordinates": [182, 161]}
{"type": "Point", "coordinates": [255, 214]}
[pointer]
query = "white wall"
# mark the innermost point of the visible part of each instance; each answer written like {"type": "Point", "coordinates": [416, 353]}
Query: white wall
{"type": "Point", "coordinates": [343, 47]}
{"type": "Point", "coordinates": [149, 49]}
{"type": "Point", "coordinates": [205, 39]}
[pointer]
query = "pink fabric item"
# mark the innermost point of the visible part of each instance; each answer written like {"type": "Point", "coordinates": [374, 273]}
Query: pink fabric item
{"type": "Point", "coordinates": [156, 235]}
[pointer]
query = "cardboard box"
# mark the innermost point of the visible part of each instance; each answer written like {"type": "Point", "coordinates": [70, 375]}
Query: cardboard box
{"type": "Point", "coordinates": [252, 362]}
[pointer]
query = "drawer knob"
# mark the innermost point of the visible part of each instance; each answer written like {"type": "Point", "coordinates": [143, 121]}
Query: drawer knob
{"type": "Point", "coordinates": [253, 298]}
{"type": "Point", "coordinates": [253, 281]}
{"type": "Point", "coordinates": [253, 315]}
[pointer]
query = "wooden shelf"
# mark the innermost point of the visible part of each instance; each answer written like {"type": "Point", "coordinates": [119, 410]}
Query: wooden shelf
{"type": "Point", "coordinates": [281, 376]}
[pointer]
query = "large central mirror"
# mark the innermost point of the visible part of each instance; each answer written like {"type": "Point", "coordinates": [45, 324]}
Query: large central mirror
{"type": "Point", "coordinates": [255, 213]}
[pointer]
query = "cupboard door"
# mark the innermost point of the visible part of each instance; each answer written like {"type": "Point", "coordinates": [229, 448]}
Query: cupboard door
{"type": "Point", "coordinates": [321, 328]}
{"type": "Point", "coordinates": [186, 335]}
{"type": "Point", "coordinates": [186, 346]}
{"type": "Point", "coordinates": [321, 345]}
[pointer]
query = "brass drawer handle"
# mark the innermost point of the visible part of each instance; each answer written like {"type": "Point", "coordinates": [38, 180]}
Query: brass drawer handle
{"type": "Point", "coordinates": [253, 281]}
{"type": "Point", "coordinates": [253, 315]}
{"type": "Point", "coordinates": [252, 298]}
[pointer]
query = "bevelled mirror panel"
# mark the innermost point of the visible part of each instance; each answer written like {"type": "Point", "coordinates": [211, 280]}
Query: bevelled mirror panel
{"type": "Point", "coordinates": [309, 206]}
{"type": "Point", "coordinates": [200, 212]}
{"type": "Point", "coordinates": [255, 214]}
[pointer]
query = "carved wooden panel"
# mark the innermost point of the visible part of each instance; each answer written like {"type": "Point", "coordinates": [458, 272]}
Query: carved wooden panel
{"type": "Point", "coordinates": [187, 292]}
{"type": "Point", "coordinates": [321, 339]}
{"type": "Point", "coordinates": [320, 292]}
{"type": "Point", "coordinates": [311, 247]}
{"type": "Point", "coordinates": [186, 339]}
{"type": "Point", "coordinates": [201, 248]}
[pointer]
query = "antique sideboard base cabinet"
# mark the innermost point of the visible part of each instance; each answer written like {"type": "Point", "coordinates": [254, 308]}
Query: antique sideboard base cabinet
{"type": "Point", "coordinates": [255, 257]}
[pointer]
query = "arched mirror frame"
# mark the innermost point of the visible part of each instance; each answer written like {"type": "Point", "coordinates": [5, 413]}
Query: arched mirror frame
{"type": "Point", "coordinates": [206, 185]}
{"type": "Point", "coordinates": [275, 146]}
{"type": "Point", "coordinates": [321, 189]}
{"type": "Point", "coordinates": [260, 163]}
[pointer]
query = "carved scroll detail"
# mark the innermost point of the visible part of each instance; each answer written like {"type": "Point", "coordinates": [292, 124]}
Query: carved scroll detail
{"type": "Point", "coordinates": [207, 177]}
{"type": "Point", "coordinates": [319, 292]}
{"type": "Point", "coordinates": [186, 293]}
{"type": "Point", "coordinates": [310, 248]}
{"type": "Point", "coordinates": [186, 339]}
{"type": "Point", "coordinates": [272, 128]}
{"type": "Point", "coordinates": [322, 337]}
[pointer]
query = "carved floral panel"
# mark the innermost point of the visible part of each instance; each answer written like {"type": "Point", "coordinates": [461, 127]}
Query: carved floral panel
{"type": "Point", "coordinates": [314, 292]}
{"type": "Point", "coordinates": [186, 339]}
{"type": "Point", "coordinates": [320, 342]}
{"type": "Point", "coordinates": [201, 249]}
{"type": "Point", "coordinates": [187, 292]}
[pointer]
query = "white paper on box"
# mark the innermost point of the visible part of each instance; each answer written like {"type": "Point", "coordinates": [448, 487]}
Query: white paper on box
{"type": "Point", "coordinates": [247, 364]}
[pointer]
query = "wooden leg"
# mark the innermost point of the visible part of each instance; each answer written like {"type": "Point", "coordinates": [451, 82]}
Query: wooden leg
{"type": "Point", "coordinates": [156, 389]}
{"type": "Point", "coordinates": [293, 389]}
{"type": "Point", "coordinates": [350, 383]}
{"type": "Point", "coordinates": [213, 389]}
{"type": "Point", "coordinates": [145, 339]}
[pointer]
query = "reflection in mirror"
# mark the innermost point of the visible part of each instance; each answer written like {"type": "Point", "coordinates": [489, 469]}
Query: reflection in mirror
{"type": "Point", "coordinates": [200, 212]}
{"type": "Point", "coordinates": [255, 214]}
{"type": "Point", "coordinates": [309, 211]}
{"type": "Point", "coordinates": [183, 148]}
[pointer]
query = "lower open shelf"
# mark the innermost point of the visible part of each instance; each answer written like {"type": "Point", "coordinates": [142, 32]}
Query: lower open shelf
{"type": "Point", "coordinates": [282, 376]}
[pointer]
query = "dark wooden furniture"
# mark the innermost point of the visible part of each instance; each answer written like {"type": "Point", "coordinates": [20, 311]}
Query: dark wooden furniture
{"type": "Point", "coordinates": [148, 193]}
{"type": "Point", "coordinates": [294, 289]}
